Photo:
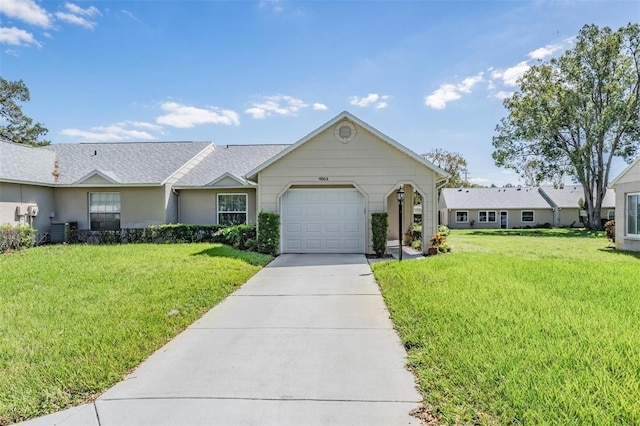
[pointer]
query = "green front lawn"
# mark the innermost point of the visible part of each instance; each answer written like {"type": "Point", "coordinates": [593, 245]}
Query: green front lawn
{"type": "Point", "coordinates": [541, 327]}
{"type": "Point", "coordinates": [75, 319]}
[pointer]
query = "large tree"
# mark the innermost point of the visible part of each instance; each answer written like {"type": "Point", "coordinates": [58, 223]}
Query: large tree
{"type": "Point", "coordinates": [14, 125]}
{"type": "Point", "coordinates": [452, 163]}
{"type": "Point", "coordinates": [575, 113]}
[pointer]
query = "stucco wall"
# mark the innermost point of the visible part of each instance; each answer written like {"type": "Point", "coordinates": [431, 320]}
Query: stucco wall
{"type": "Point", "coordinates": [367, 162]}
{"type": "Point", "coordinates": [199, 206]}
{"type": "Point", "coordinates": [624, 241]}
{"type": "Point", "coordinates": [13, 195]}
{"type": "Point", "coordinates": [140, 207]}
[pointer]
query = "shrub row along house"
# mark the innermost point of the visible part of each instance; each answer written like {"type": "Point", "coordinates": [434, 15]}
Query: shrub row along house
{"type": "Point", "coordinates": [519, 207]}
{"type": "Point", "coordinates": [325, 186]}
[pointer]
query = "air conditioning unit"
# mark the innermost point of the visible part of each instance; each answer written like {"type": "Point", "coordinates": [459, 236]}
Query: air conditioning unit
{"type": "Point", "coordinates": [19, 211]}
{"type": "Point", "coordinates": [62, 232]}
{"type": "Point", "coordinates": [33, 211]}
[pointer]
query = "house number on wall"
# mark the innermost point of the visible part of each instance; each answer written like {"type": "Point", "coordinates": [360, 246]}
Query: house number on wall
{"type": "Point", "coordinates": [323, 178]}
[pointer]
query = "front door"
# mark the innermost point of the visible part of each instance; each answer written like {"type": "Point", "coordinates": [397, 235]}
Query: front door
{"type": "Point", "coordinates": [504, 220]}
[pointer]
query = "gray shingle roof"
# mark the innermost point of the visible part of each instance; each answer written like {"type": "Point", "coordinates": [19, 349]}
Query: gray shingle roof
{"type": "Point", "coordinates": [22, 163]}
{"type": "Point", "coordinates": [126, 163]}
{"type": "Point", "coordinates": [493, 198]}
{"type": "Point", "coordinates": [569, 196]}
{"type": "Point", "coordinates": [235, 159]}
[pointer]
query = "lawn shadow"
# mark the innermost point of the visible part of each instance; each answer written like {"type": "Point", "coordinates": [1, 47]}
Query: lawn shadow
{"type": "Point", "coordinates": [629, 253]}
{"type": "Point", "coordinates": [250, 257]}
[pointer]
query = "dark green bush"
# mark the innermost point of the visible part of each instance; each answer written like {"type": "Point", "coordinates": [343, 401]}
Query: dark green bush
{"type": "Point", "coordinates": [237, 235]}
{"type": "Point", "coordinates": [610, 230]}
{"type": "Point", "coordinates": [379, 230]}
{"type": "Point", "coordinates": [268, 233]}
{"type": "Point", "coordinates": [13, 238]}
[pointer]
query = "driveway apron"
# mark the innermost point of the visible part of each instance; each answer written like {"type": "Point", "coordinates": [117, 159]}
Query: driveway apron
{"type": "Point", "coordinates": [306, 341]}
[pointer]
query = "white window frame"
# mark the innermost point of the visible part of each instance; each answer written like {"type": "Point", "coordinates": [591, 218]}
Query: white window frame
{"type": "Point", "coordinates": [487, 212]}
{"type": "Point", "coordinates": [466, 212]}
{"type": "Point", "coordinates": [245, 211]}
{"type": "Point", "coordinates": [110, 203]}
{"type": "Point", "coordinates": [611, 214]}
{"type": "Point", "coordinates": [533, 216]}
{"type": "Point", "coordinates": [629, 211]}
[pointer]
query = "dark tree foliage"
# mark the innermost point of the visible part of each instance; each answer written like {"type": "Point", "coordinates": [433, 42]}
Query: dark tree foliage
{"type": "Point", "coordinates": [575, 113]}
{"type": "Point", "coordinates": [14, 125]}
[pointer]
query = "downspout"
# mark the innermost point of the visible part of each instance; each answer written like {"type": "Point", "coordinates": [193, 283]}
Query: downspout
{"type": "Point", "coordinates": [177, 194]}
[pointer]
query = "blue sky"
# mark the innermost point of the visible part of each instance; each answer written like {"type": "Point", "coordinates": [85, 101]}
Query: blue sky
{"type": "Point", "coordinates": [430, 74]}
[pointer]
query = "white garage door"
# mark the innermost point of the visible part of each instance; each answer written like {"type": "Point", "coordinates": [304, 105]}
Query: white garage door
{"type": "Point", "coordinates": [323, 220]}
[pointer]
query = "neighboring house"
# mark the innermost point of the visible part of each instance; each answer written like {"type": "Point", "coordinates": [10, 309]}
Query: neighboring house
{"type": "Point", "coordinates": [482, 208]}
{"type": "Point", "coordinates": [517, 207]}
{"type": "Point", "coordinates": [627, 187]}
{"type": "Point", "coordinates": [566, 204]}
{"type": "Point", "coordinates": [325, 186]}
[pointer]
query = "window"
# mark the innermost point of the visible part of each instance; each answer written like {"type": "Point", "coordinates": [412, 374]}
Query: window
{"type": "Point", "coordinates": [462, 217]}
{"type": "Point", "coordinates": [633, 214]}
{"type": "Point", "coordinates": [232, 209]}
{"type": "Point", "coordinates": [527, 216]}
{"type": "Point", "coordinates": [104, 211]}
{"type": "Point", "coordinates": [611, 215]}
{"type": "Point", "coordinates": [488, 216]}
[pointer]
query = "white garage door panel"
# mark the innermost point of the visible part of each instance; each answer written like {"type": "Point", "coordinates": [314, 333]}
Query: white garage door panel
{"type": "Point", "coordinates": [323, 220]}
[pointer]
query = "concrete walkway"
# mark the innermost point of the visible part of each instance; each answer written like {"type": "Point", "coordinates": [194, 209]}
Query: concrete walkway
{"type": "Point", "coordinates": [307, 340]}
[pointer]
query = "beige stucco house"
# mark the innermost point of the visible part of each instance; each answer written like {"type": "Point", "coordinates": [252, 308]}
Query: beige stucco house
{"type": "Point", "coordinates": [325, 186]}
{"type": "Point", "coordinates": [483, 208]}
{"type": "Point", "coordinates": [517, 207]}
{"type": "Point", "coordinates": [627, 187]}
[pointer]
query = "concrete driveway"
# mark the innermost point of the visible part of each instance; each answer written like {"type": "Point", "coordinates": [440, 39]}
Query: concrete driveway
{"type": "Point", "coordinates": [307, 340]}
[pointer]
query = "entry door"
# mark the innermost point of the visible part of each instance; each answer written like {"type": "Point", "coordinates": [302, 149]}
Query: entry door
{"type": "Point", "coordinates": [504, 220]}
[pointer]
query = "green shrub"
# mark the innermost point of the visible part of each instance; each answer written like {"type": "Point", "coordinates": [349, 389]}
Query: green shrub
{"type": "Point", "coordinates": [379, 230]}
{"type": "Point", "coordinates": [13, 238]}
{"type": "Point", "coordinates": [610, 230]}
{"type": "Point", "coordinates": [444, 230]}
{"type": "Point", "coordinates": [268, 233]}
{"type": "Point", "coordinates": [237, 235]}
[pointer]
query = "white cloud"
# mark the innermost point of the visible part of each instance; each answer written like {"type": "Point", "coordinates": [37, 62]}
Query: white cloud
{"type": "Point", "coordinates": [374, 99]}
{"type": "Point", "coordinates": [114, 133]}
{"type": "Point", "coordinates": [451, 92]}
{"type": "Point", "coordinates": [77, 10]}
{"type": "Point", "coordinates": [75, 20]}
{"type": "Point", "coordinates": [184, 116]}
{"type": "Point", "coordinates": [129, 14]}
{"type": "Point", "coordinates": [511, 75]}
{"type": "Point", "coordinates": [546, 51]}
{"type": "Point", "coordinates": [17, 37]}
{"type": "Point", "coordinates": [278, 105]}
{"type": "Point", "coordinates": [502, 95]}
{"type": "Point", "coordinates": [273, 5]}
{"type": "Point", "coordinates": [320, 107]}
{"type": "Point", "coordinates": [27, 11]}
{"type": "Point", "coordinates": [439, 98]}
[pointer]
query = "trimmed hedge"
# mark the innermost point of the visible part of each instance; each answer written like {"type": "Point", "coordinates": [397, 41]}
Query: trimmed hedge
{"type": "Point", "coordinates": [14, 238]}
{"type": "Point", "coordinates": [268, 233]}
{"type": "Point", "coordinates": [238, 236]}
{"type": "Point", "coordinates": [379, 230]}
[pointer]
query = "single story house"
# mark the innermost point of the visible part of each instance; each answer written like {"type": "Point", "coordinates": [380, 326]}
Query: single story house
{"type": "Point", "coordinates": [482, 208]}
{"type": "Point", "coordinates": [516, 207]}
{"type": "Point", "coordinates": [325, 186]}
{"type": "Point", "coordinates": [566, 204]}
{"type": "Point", "coordinates": [627, 187]}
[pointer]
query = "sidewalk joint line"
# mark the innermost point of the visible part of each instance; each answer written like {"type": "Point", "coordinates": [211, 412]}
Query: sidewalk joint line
{"type": "Point", "coordinates": [238, 398]}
